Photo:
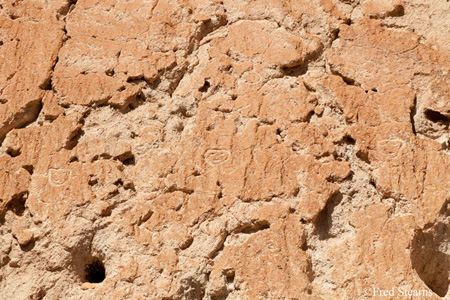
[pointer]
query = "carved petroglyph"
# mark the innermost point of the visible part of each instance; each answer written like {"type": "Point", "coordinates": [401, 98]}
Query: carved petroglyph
{"type": "Point", "coordinates": [252, 77]}
{"type": "Point", "coordinates": [390, 148]}
{"type": "Point", "coordinates": [59, 177]}
{"type": "Point", "coordinates": [216, 157]}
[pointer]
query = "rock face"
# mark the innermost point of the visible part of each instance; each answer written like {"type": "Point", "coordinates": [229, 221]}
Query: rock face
{"type": "Point", "coordinates": [235, 149]}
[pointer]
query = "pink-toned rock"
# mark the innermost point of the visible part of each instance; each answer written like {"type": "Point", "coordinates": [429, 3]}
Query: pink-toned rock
{"type": "Point", "coordinates": [265, 149]}
{"type": "Point", "coordinates": [26, 68]}
{"type": "Point", "coordinates": [383, 8]}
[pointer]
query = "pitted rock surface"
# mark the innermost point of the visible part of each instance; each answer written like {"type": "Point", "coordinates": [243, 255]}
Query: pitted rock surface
{"type": "Point", "coordinates": [234, 149]}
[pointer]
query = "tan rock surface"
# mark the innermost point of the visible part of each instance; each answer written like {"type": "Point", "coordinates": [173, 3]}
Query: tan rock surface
{"type": "Point", "coordinates": [266, 149]}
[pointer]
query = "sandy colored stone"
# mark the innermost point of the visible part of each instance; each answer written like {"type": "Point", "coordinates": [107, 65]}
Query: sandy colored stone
{"type": "Point", "coordinates": [88, 286]}
{"type": "Point", "coordinates": [224, 149]}
{"type": "Point", "coordinates": [22, 234]}
{"type": "Point", "coordinates": [383, 8]}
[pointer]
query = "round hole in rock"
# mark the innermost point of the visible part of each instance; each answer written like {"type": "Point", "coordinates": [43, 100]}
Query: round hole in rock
{"type": "Point", "coordinates": [95, 271]}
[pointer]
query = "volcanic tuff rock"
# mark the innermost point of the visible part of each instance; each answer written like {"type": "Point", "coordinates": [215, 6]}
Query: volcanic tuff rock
{"type": "Point", "coordinates": [234, 149]}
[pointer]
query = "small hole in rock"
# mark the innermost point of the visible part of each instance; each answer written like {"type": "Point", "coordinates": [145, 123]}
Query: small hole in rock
{"type": "Point", "coordinates": [229, 275]}
{"type": "Point", "coordinates": [29, 246]}
{"type": "Point", "coordinates": [398, 11]}
{"type": "Point", "coordinates": [278, 131]}
{"type": "Point", "coordinates": [304, 246]}
{"type": "Point", "coordinates": [226, 69]}
{"type": "Point", "coordinates": [205, 87]}
{"type": "Point", "coordinates": [324, 221]}
{"type": "Point", "coordinates": [364, 156]}
{"type": "Point", "coordinates": [17, 203]}
{"type": "Point", "coordinates": [29, 168]}
{"type": "Point", "coordinates": [92, 180]}
{"type": "Point", "coordinates": [179, 127]}
{"type": "Point", "coordinates": [95, 272]}
{"type": "Point", "coordinates": [131, 161]}
{"type": "Point", "coordinates": [13, 152]}
{"type": "Point", "coordinates": [435, 116]}
{"type": "Point", "coordinates": [309, 116]}
{"type": "Point", "coordinates": [254, 227]}
{"type": "Point", "coordinates": [47, 84]}
{"type": "Point", "coordinates": [109, 72]}
{"type": "Point", "coordinates": [124, 156]}
{"type": "Point", "coordinates": [349, 140]}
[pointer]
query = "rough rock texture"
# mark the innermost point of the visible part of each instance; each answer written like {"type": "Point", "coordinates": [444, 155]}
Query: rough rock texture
{"type": "Point", "coordinates": [234, 149]}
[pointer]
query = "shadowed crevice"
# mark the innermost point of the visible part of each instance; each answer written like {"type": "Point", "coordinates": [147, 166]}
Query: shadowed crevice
{"type": "Point", "coordinates": [430, 254]}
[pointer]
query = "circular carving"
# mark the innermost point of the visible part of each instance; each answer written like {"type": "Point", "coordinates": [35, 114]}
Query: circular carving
{"type": "Point", "coordinates": [216, 157]}
{"type": "Point", "coordinates": [58, 177]}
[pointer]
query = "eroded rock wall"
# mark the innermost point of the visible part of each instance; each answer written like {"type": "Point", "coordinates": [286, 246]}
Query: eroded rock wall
{"type": "Point", "coordinates": [181, 149]}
